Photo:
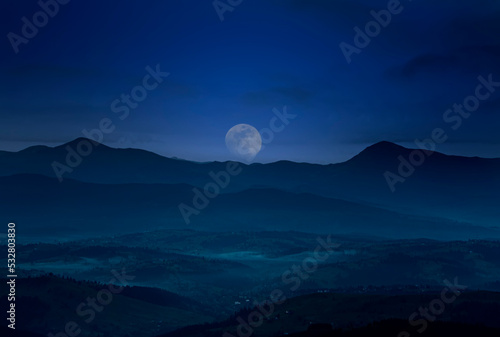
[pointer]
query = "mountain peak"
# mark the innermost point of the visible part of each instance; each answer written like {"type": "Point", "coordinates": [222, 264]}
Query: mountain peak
{"type": "Point", "coordinates": [379, 151]}
{"type": "Point", "coordinates": [383, 147]}
{"type": "Point", "coordinates": [79, 140]}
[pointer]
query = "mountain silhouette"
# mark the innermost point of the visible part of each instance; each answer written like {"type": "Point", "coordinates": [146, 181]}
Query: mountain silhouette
{"type": "Point", "coordinates": [463, 189]}
{"type": "Point", "coordinates": [73, 209]}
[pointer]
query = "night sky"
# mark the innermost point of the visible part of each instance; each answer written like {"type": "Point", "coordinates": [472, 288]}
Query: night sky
{"type": "Point", "coordinates": [264, 55]}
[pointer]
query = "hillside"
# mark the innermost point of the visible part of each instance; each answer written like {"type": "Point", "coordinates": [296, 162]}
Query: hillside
{"type": "Point", "coordinates": [435, 188]}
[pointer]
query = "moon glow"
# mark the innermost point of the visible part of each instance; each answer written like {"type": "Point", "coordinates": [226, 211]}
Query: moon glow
{"type": "Point", "coordinates": [244, 141]}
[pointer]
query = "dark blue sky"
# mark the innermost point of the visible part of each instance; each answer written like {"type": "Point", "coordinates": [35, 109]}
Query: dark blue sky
{"type": "Point", "coordinates": [266, 54]}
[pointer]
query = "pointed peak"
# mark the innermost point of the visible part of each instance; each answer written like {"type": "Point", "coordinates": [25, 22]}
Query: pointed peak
{"type": "Point", "coordinates": [81, 140]}
{"type": "Point", "coordinates": [380, 150]}
{"type": "Point", "coordinates": [384, 146]}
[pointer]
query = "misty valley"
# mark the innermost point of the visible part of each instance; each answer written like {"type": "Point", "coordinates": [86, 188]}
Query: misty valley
{"type": "Point", "coordinates": [281, 249]}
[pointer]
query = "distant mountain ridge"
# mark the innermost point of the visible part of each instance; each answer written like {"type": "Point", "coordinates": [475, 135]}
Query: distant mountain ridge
{"type": "Point", "coordinates": [47, 209]}
{"type": "Point", "coordinates": [458, 188]}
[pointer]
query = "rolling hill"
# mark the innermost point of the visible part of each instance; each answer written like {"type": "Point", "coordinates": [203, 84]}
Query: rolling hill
{"type": "Point", "coordinates": [458, 188]}
{"type": "Point", "coordinates": [51, 210]}
{"type": "Point", "coordinates": [46, 303]}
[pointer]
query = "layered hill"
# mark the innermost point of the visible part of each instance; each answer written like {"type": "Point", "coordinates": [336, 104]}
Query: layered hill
{"type": "Point", "coordinates": [45, 209]}
{"type": "Point", "coordinates": [461, 189]}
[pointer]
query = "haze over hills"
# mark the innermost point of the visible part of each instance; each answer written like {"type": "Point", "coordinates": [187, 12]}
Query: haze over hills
{"type": "Point", "coordinates": [458, 188]}
{"type": "Point", "coordinates": [47, 208]}
{"type": "Point", "coordinates": [363, 281]}
{"type": "Point", "coordinates": [264, 219]}
{"type": "Point", "coordinates": [345, 217]}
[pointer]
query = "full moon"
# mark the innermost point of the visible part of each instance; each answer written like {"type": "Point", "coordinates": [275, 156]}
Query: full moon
{"type": "Point", "coordinates": [244, 140]}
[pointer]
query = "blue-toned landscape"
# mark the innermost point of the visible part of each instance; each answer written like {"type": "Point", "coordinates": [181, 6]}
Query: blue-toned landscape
{"type": "Point", "coordinates": [237, 168]}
